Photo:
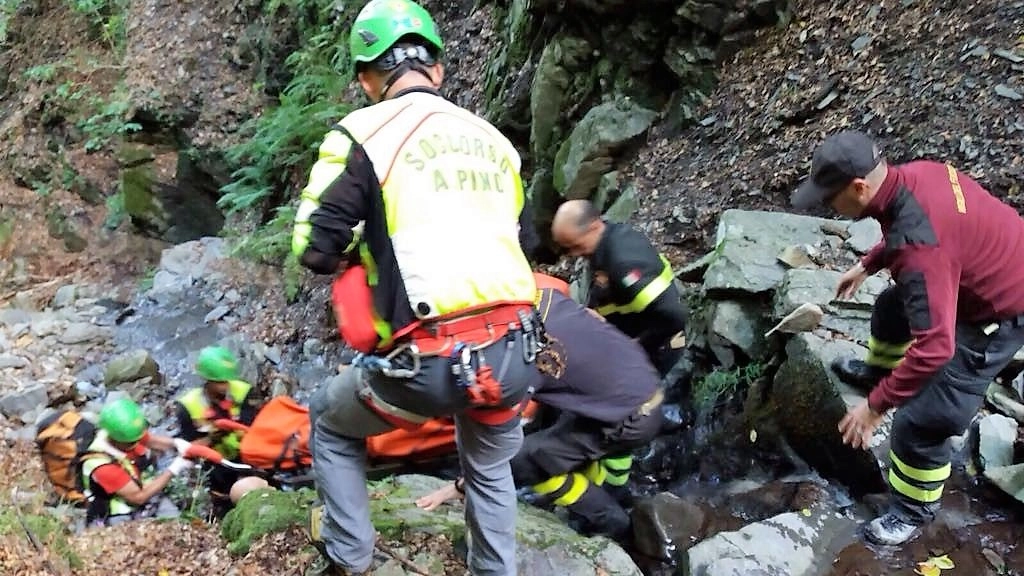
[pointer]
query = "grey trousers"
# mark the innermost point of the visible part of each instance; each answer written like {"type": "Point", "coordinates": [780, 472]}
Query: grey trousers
{"type": "Point", "coordinates": [341, 423]}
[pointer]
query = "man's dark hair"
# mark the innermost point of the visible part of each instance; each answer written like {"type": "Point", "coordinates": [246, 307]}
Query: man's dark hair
{"type": "Point", "coordinates": [588, 215]}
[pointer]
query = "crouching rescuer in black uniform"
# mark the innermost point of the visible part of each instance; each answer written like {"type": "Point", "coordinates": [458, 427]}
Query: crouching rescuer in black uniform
{"type": "Point", "coordinates": [609, 396]}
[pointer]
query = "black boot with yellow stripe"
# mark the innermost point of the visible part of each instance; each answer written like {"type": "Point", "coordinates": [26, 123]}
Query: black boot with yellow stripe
{"type": "Point", "coordinates": [865, 374]}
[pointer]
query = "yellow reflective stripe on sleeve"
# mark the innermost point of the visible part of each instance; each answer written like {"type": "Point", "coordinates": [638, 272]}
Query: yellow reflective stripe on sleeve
{"type": "Point", "coordinates": [368, 263]}
{"type": "Point", "coordinates": [331, 162]}
{"type": "Point", "coordinates": [642, 300]}
{"type": "Point", "coordinates": [300, 237]}
{"type": "Point", "coordinates": [579, 486]}
{"type": "Point", "coordinates": [913, 492]}
{"type": "Point", "coordinates": [519, 190]}
{"type": "Point", "coordinates": [937, 475]}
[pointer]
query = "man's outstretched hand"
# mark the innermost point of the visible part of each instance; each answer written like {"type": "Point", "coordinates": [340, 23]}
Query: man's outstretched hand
{"type": "Point", "coordinates": [859, 425]}
{"type": "Point", "coordinates": [850, 281]}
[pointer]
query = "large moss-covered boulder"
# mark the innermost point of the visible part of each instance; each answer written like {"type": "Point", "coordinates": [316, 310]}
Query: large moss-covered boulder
{"type": "Point", "coordinates": [544, 540]}
{"type": "Point", "coordinates": [264, 512]}
{"type": "Point", "coordinates": [810, 401]}
{"type": "Point", "coordinates": [555, 82]}
{"type": "Point", "coordinates": [588, 152]}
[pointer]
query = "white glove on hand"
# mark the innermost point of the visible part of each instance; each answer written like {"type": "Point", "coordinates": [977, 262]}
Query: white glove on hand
{"type": "Point", "coordinates": [180, 465]}
{"type": "Point", "coordinates": [181, 446]}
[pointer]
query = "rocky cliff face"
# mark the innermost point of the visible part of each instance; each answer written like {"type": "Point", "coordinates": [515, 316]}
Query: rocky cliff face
{"type": "Point", "coordinates": [157, 93]}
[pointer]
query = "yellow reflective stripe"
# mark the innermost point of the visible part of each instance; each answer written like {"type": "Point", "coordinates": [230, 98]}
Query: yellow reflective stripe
{"type": "Point", "coordinates": [381, 326]}
{"type": "Point", "coordinates": [618, 469]}
{"type": "Point", "coordinates": [642, 300]}
{"type": "Point", "coordinates": [383, 330]}
{"type": "Point", "coordinates": [519, 190]}
{"type": "Point", "coordinates": [883, 348]}
{"type": "Point", "coordinates": [618, 464]}
{"type": "Point", "coordinates": [300, 237]}
{"type": "Point", "coordinates": [913, 492]}
{"type": "Point", "coordinates": [331, 162]}
{"type": "Point", "coordinates": [936, 475]}
{"type": "Point", "coordinates": [193, 403]}
{"type": "Point", "coordinates": [368, 263]}
{"type": "Point", "coordinates": [579, 486]}
{"type": "Point", "coordinates": [550, 485]}
{"type": "Point", "coordinates": [238, 390]}
{"type": "Point", "coordinates": [596, 473]}
{"type": "Point", "coordinates": [617, 479]}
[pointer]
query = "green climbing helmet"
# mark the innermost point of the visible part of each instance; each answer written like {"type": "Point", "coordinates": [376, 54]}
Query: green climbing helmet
{"type": "Point", "coordinates": [217, 364]}
{"type": "Point", "coordinates": [381, 23]}
{"type": "Point", "coordinates": [123, 421]}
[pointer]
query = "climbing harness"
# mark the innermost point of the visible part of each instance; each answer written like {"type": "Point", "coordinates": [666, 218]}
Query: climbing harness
{"type": "Point", "coordinates": [461, 341]}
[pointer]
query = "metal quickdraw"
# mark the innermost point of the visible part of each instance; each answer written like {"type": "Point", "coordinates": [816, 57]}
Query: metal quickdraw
{"type": "Point", "coordinates": [386, 365]}
{"type": "Point", "coordinates": [478, 383]}
{"type": "Point", "coordinates": [533, 334]}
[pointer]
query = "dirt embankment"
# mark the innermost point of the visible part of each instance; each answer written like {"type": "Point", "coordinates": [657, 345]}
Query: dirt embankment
{"type": "Point", "coordinates": [941, 80]}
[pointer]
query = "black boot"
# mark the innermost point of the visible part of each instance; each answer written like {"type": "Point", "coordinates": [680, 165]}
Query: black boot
{"type": "Point", "coordinates": [858, 373]}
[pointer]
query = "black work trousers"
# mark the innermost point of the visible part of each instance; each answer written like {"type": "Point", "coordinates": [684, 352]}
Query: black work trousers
{"type": "Point", "coordinates": [554, 461]}
{"type": "Point", "coordinates": [944, 406]}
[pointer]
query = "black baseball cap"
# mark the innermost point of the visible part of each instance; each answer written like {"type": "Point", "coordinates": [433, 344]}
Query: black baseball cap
{"type": "Point", "coordinates": [837, 161]}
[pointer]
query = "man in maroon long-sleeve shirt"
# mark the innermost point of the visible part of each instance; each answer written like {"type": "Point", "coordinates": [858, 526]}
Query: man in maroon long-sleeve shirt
{"type": "Point", "coordinates": [951, 323]}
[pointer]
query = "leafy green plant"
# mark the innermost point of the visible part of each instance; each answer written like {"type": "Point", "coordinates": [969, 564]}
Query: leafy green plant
{"type": "Point", "coordinates": [106, 19]}
{"type": "Point", "coordinates": [719, 386]}
{"type": "Point", "coordinates": [108, 121]}
{"type": "Point", "coordinates": [42, 72]}
{"type": "Point", "coordinates": [116, 212]}
{"type": "Point", "coordinates": [7, 10]}
{"type": "Point", "coordinates": [280, 145]}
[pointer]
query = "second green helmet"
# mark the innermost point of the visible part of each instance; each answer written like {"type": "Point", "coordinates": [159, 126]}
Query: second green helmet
{"type": "Point", "coordinates": [217, 364]}
{"type": "Point", "coordinates": [123, 421]}
{"type": "Point", "coordinates": [381, 23]}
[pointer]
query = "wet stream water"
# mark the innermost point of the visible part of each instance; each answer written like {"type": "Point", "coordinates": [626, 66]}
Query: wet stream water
{"type": "Point", "coordinates": [732, 480]}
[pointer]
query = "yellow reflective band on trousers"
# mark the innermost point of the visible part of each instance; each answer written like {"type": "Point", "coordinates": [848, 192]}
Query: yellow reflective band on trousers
{"type": "Point", "coordinates": [937, 475]}
{"type": "Point", "coordinates": [913, 492]}
{"type": "Point", "coordinates": [884, 354]}
{"type": "Point", "coordinates": [917, 484]}
{"type": "Point", "coordinates": [617, 469]}
{"type": "Point", "coordinates": [568, 488]}
{"type": "Point", "coordinates": [330, 164]}
{"type": "Point", "coordinates": [642, 300]}
{"type": "Point", "coordinates": [596, 473]}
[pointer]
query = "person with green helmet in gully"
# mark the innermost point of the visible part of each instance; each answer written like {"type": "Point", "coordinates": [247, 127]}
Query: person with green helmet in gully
{"type": "Point", "coordinates": [430, 197]}
{"type": "Point", "coordinates": [202, 411]}
{"type": "Point", "coordinates": [117, 468]}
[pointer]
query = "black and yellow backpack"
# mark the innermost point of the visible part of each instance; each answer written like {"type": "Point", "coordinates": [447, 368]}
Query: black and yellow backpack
{"type": "Point", "coordinates": [63, 440]}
